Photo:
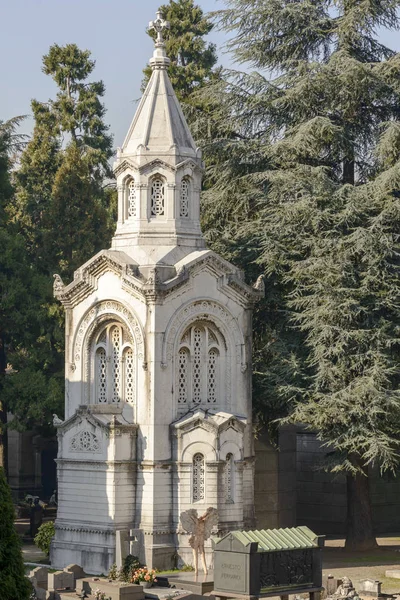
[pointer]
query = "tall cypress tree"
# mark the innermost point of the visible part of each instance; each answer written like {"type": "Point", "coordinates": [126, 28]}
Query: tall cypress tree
{"type": "Point", "coordinates": [316, 179]}
{"type": "Point", "coordinates": [13, 583]}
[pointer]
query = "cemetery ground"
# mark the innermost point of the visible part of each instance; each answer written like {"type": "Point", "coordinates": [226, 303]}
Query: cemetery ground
{"type": "Point", "coordinates": [364, 565]}
{"type": "Point", "coordinates": [336, 560]}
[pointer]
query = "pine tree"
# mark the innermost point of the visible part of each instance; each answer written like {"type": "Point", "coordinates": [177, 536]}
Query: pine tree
{"type": "Point", "coordinates": [13, 583]}
{"type": "Point", "coordinates": [62, 212]}
{"type": "Point", "coordinates": [78, 109]}
{"type": "Point", "coordinates": [192, 59]}
{"type": "Point", "coordinates": [76, 222]}
{"type": "Point", "coordinates": [316, 182]}
{"type": "Point", "coordinates": [39, 164]}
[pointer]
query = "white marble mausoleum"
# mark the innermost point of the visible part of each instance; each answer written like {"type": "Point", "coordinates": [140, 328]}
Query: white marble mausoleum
{"type": "Point", "coordinates": [158, 361]}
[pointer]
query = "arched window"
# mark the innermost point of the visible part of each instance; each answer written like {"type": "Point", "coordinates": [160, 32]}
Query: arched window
{"type": "Point", "coordinates": [157, 197]}
{"type": "Point", "coordinates": [184, 198]}
{"type": "Point", "coordinates": [113, 365]}
{"type": "Point", "coordinates": [228, 478]}
{"type": "Point", "coordinates": [131, 199]}
{"type": "Point", "coordinates": [198, 477]}
{"type": "Point", "coordinates": [199, 369]}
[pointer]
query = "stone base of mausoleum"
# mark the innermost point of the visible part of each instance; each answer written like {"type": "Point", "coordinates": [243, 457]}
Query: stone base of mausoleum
{"type": "Point", "coordinates": [154, 549]}
{"type": "Point", "coordinates": [93, 549]}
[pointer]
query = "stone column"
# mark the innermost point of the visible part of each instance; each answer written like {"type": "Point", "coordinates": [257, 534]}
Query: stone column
{"type": "Point", "coordinates": [121, 203]}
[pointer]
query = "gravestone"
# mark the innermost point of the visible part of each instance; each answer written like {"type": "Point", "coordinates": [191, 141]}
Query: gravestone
{"type": "Point", "coordinates": [61, 580]}
{"type": "Point", "coordinates": [76, 570]}
{"type": "Point", "coordinates": [38, 576]}
{"type": "Point", "coordinates": [115, 590]}
{"type": "Point", "coordinates": [370, 587]}
{"type": "Point", "coordinates": [264, 563]}
{"type": "Point", "coordinates": [330, 584]}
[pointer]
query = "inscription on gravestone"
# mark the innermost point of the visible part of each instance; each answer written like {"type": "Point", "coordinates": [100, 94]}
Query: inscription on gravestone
{"type": "Point", "coordinates": [231, 568]}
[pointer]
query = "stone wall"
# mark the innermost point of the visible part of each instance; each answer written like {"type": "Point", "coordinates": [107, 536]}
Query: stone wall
{"type": "Point", "coordinates": [275, 481]}
{"type": "Point", "coordinates": [321, 497]}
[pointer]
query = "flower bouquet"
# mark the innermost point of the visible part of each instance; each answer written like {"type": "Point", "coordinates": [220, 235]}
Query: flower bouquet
{"type": "Point", "coordinates": [144, 576]}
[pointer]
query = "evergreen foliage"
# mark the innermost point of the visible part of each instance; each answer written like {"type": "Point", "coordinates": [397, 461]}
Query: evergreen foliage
{"type": "Point", "coordinates": [192, 59]}
{"type": "Point", "coordinates": [61, 211]}
{"type": "Point", "coordinates": [13, 583]}
{"type": "Point", "coordinates": [308, 179]}
{"type": "Point", "coordinates": [14, 270]}
{"type": "Point", "coordinates": [78, 109]}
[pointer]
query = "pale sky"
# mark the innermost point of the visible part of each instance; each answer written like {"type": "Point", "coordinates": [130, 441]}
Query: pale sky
{"type": "Point", "coordinates": [114, 31]}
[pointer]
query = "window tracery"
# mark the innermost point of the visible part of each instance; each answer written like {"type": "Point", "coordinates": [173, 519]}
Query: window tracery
{"type": "Point", "coordinates": [113, 365]}
{"type": "Point", "coordinates": [198, 477]}
{"type": "Point", "coordinates": [101, 372]}
{"type": "Point", "coordinates": [157, 197]}
{"type": "Point", "coordinates": [129, 375]}
{"type": "Point", "coordinates": [199, 366]}
{"type": "Point", "coordinates": [184, 198]}
{"type": "Point", "coordinates": [132, 199]}
{"type": "Point", "coordinates": [228, 476]}
{"type": "Point", "coordinates": [183, 376]}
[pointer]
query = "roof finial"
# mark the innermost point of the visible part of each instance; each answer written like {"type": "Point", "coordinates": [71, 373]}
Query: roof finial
{"type": "Point", "coordinates": [160, 59]}
{"type": "Point", "coordinates": [159, 25]}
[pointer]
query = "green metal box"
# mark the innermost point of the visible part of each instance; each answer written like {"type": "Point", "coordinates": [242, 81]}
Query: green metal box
{"type": "Point", "coordinates": [262, 562]}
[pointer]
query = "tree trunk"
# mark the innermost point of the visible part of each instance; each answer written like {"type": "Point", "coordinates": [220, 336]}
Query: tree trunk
{"type": "Point", "coordinates": [3, 410]}
{"type": "Point", "coordinates": [360, 535]}
{"type": "Point", "coordinates": [3, 440]}
{"type": "Point", "coordinates": [349, 171]}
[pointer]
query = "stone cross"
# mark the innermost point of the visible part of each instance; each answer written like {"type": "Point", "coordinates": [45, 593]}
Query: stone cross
{"type": "Point", "coordinates": [159, 25]}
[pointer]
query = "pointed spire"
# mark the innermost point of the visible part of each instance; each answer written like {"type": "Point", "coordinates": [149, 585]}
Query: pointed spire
{"type": "Point", "coordinates": [159, 172]}
{"type": "Point", "coordinates": [159, 125]}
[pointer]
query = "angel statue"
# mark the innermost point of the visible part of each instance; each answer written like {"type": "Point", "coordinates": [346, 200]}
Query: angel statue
{"type": "Point", "coordinates": [200, 528]}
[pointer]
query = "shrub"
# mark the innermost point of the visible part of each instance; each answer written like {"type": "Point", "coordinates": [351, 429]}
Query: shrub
{"type": "Point", "coordinates": [13, 583]}
{"type": "Point", "coordinates": [131, 564]}
{"type": "Point", "coordinates": [113, 572]}
{"type": "Point", "coordinates": [44, 536]}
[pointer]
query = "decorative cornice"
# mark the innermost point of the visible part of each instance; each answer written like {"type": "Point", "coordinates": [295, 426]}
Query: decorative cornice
{"type": "Point", "coordinates": [124, 165]}
{"type": "Point", "coordinates": [84, 415]}
{"type": "Point", "coordinates": [207, 421]}
{"type": "Point", "coordinates": [86, 278]}
{"type": "Point", "coordinates": [85, 282]}
{"type": "Point", "coordinates": [84, 529]}
{"type": "Point", "coordinates": [97, 464]}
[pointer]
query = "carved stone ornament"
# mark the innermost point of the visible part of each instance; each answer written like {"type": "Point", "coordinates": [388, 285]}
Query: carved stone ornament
{"type": "Point", "coordinates": [260, 284]}
{"type": "Point", "coordinates": [208, 310]}
{"type": "Point", "coordinates": [91, 320]}
{"type": "Point", "coordinates": [58, 285]}
{"type": "Point", "coordinates": [84, 441]}
{"type": "Point", "coordinates": [345, 590]}
{"type": "Point", "coordinates": [57, 420]}
{"type": "Point", "coordinates": [159, 25]}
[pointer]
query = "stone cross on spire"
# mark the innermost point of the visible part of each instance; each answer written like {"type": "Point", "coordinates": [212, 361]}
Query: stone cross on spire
{"type": "Point", "coordinates": [159, 25]}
